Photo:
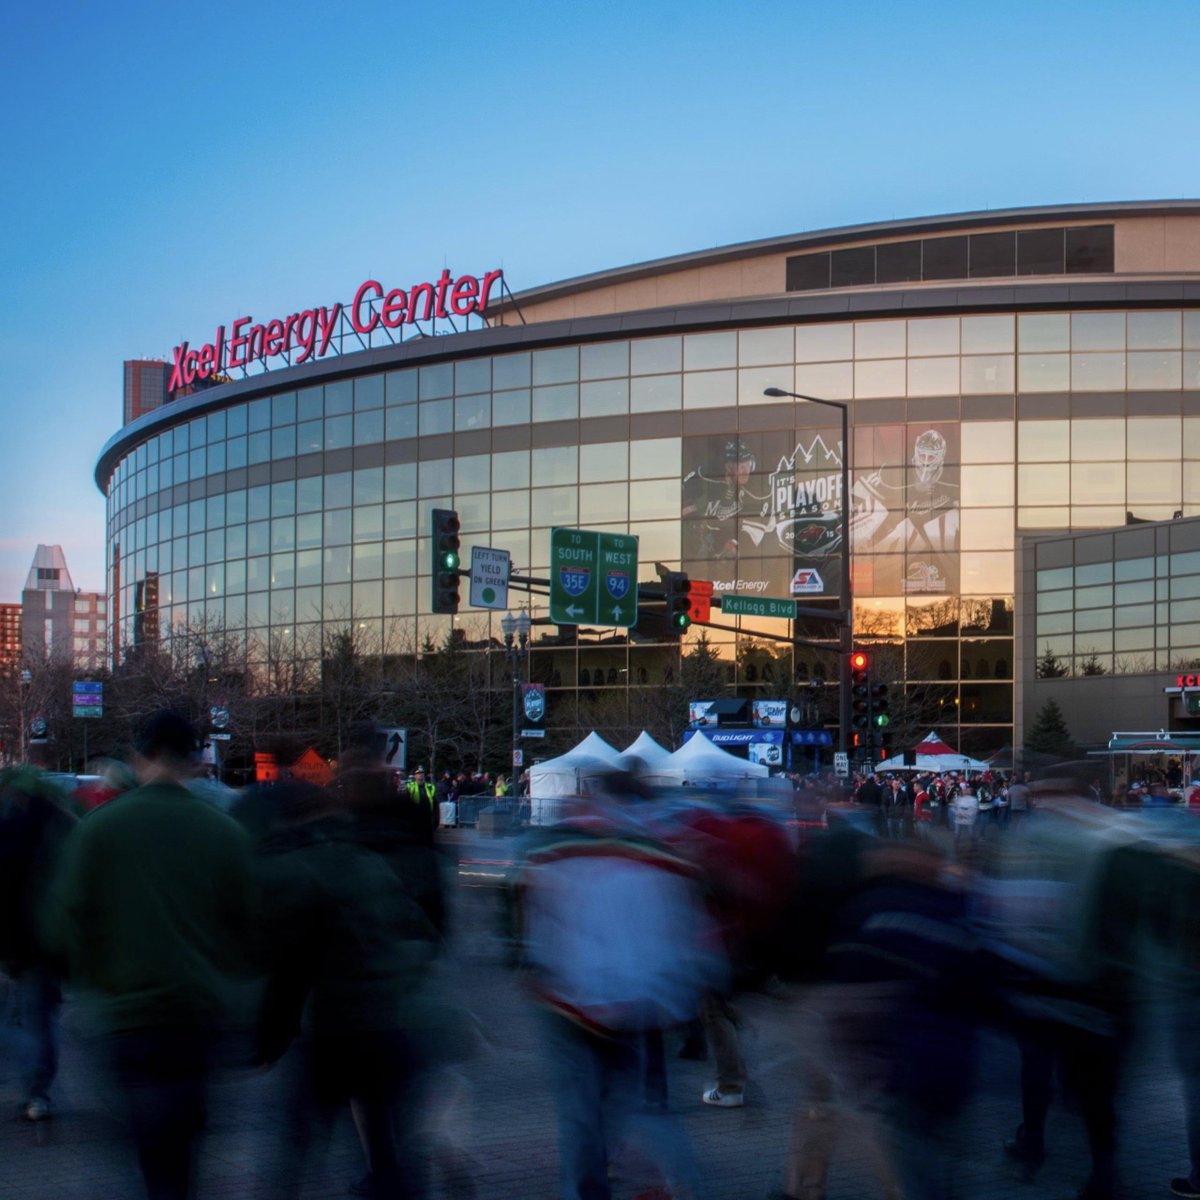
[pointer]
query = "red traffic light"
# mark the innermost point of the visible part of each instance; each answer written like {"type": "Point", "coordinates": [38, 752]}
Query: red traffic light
{"type": "Point", "coordinates": [858, 661]}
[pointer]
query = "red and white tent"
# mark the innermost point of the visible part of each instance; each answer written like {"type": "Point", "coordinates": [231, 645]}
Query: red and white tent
{"type": "Point", "coordinates": [933, 754]}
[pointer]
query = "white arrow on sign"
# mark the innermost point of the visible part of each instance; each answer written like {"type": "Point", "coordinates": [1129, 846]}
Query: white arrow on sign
{"type": "Point", "coordinates": [616, 612]}
{"type": "Point", "coordinates": [572, 611]}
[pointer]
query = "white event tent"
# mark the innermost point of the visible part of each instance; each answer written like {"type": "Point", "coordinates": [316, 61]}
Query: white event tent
{"type": "Point", "coordinates": [647, 751]}
{"type": "Point", "coordinates": [699, 761]}
{"type": "Point", "coordinates": [567, 775]}
{"type": "Point", "coordinates": [932, 754]}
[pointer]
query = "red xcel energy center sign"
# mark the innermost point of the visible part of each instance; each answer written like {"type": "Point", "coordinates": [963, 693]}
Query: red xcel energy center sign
{"type": "Point", "coordinates": [310, 333]}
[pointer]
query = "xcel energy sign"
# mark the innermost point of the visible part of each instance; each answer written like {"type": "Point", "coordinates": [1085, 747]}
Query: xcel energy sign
{"type": "Point", "coordinates": [309, 334]}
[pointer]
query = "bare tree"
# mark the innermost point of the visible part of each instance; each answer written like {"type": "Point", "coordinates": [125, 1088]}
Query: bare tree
{"type": "Point", "coordinates": [353, 683]}
{"type": "Point", "coordinates": [39, 689]}
{"type": "Point", "coordinates": [439, 703]}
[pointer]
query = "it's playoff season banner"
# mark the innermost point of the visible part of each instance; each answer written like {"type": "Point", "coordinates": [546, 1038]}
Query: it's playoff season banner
{"type": "Point", "coordinates": [761, 518]}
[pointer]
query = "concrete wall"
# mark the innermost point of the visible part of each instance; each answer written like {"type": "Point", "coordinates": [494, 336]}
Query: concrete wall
{"type": "Point", "coordinates": [1149, 245]}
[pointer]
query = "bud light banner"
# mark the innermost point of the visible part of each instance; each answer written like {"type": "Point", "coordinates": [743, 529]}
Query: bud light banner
{"type": "Point", "coordinates": [767, 748]}
{"type": "Point", "coordinates": [533, 710]}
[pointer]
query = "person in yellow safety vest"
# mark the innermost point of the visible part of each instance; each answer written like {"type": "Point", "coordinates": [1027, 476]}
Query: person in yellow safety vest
{"type": "Point", "coordinates": [419, 790]}
{"type": "Point", "coordinates": [501, 788]}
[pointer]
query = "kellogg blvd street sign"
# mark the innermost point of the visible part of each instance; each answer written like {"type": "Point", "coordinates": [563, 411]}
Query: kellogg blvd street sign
{"type": "Point", "coordinates": [758, 606]}
{"type": "Point", "coordinates": [593, 577]}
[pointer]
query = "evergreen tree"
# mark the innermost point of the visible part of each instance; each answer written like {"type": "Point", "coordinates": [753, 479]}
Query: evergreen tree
{"type": "Point", "coordinates": [1049, 733]}
{"type": "Point", "coordinates": [703, 675]}
{"type": "Point", "coordinates": [1050, 666]}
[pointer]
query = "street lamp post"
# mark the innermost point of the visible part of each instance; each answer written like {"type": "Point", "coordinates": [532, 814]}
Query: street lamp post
{"type": "Point", "coordinates": [23, 714]}
{"type": "Point", "coordinates": [516, 639]}
{"type": "Point", "coordinates": [846, 634]}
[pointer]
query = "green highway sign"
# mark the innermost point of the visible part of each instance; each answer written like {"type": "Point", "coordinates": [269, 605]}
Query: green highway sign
{"type": "Point", "coordinates": [593, 577]}
{"type": "Point", "coordinates": [758, 606]}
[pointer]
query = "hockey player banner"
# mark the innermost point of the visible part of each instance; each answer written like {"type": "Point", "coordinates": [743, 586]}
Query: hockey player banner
{"type": "Point", "coordinates": [762, 515]}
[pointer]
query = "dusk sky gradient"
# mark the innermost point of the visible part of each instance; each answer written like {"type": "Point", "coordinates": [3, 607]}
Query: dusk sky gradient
{"type": "Point", "coordinates": [171, 167]}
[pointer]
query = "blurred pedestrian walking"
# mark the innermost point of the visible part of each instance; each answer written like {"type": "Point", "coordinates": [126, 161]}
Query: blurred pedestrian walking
{"type": "Point", "coordinates": [620, 948]}
{"type": "Point", "coordinates": [346, 947]}
{"type": "Point", "coordinates": [35, 822]}
{"type": "Point", "coordinates": [152, 908]}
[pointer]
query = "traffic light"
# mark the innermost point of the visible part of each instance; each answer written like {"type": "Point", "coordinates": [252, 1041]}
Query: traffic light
{"type": "Point", "coordinates": [860, 691]}
{"type": "Point", "coordinates": [879, 706]}
{"type": "Point", "coordinates": [880, 718]}
{"type": "Point", "coordinates": [445, 560]}
{"type": "Point", "coordinates": [677, 590]}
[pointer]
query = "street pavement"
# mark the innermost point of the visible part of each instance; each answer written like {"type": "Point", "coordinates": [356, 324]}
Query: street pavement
{"type": "Point", "coordinates": [497, 1107]}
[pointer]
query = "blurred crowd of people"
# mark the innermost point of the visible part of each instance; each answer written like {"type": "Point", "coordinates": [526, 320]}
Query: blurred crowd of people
{"type": "Point", "coordinates": [966, 805]}
{"type": "Point", "coordinates": [895, 920]}
{"type": "Point", "coordinates": [299, 928]}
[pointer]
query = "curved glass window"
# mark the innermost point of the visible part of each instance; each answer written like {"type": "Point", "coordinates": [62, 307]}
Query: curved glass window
{"type": "Point", "coordinates": [959, 440]}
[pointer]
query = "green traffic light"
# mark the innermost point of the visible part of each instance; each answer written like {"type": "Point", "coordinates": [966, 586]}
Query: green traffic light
{"type": "Point", "coordinates": [681, 620]}
{"type": "Point", "coordinates": [882, 720]}
{"type": "Point", "coordinates": [449, 561]}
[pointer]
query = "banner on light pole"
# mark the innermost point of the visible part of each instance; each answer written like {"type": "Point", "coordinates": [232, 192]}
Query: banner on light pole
{"type": "Point", "coordinates": [533, 710]}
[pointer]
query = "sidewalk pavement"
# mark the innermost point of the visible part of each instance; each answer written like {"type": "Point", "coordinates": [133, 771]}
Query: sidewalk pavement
{"type": "Point", "coordinates": [505, 1117]}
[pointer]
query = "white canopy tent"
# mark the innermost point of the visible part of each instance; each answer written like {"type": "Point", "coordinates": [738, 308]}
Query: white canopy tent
{"type": "Point", "coordinates": [645, 748]}
{"type": "Point", "coordinates": [595, 746]}
{"type": "Point", "coordinates": [932, 754]}
{"type": "Point", "coordinates": [556, 779]}
{"type": "Point", "coordinates": [699, 761]}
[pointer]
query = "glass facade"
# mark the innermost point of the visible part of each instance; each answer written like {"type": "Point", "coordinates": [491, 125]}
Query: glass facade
{"type": "Point", "coordinates": [1076, 250]}
{"type": "Point", "coordinates": [284, 515]}
{"type": "Point", "coordinates": [1136, 613]}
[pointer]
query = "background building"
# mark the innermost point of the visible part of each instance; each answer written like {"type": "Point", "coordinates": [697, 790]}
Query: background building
{"type": "Point", "coordinates": [57, 620]}
{"type": "Point", "coordinates": [145, 387]}
{"type": "Point", "coordinates": [1005, 373]}
{"type": "Point", "coordinates": [10, 639]}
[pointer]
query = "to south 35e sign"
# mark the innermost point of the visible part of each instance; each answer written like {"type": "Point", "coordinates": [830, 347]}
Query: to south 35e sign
{"type": "Point", "coordinates": [309, 333]}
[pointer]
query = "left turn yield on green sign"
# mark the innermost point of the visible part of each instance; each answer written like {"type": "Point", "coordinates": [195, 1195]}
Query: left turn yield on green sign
{"type": "Point", "coordinates": [593, 577]}
{"type": "Point", "coordinates": [489, 577]}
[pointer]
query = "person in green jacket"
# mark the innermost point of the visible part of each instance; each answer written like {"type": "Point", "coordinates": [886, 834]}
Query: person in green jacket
{"type": "Point", "coordinates": [152, 909]}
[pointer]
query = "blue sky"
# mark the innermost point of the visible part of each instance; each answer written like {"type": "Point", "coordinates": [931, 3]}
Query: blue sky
{"type": "Point", "coordinates": [168, 167]}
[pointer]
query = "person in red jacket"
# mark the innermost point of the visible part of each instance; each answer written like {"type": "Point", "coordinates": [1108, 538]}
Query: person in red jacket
{"type": "Point", "coordinates": [111, 781]}
{"type": "Point", "coordinates": [922, 811]}
{"type": "Point", "coordinates": [750, 868]}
